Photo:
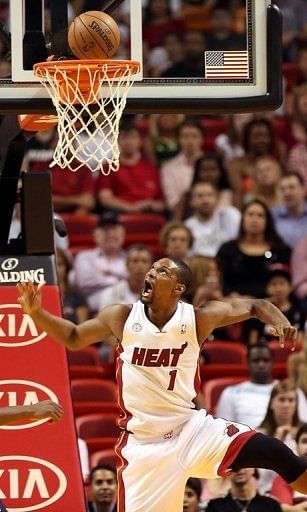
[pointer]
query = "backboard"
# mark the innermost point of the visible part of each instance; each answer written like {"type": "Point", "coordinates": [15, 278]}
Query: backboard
{"type": "Point", "coordinates": [238, 79]}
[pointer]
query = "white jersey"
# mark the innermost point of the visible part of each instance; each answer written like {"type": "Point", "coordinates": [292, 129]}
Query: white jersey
{"type": "Point", "coordinates": [158, 373]}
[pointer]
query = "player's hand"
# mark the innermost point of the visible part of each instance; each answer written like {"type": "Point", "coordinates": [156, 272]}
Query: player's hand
{"type": "Point", "coordinates": [46, 409]}
{"type": "Point", "coordinates": [285, 333]}
{"type": "Point", "coordinates": [30, 296]}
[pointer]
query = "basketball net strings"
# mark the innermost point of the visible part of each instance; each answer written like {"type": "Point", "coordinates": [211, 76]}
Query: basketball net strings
{"type": "Point", "coordinates": [87, 137]}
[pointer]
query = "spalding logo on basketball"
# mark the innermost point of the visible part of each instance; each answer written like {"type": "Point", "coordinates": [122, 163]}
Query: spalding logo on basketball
{"type": "Point", "coordinates": [93, 35]}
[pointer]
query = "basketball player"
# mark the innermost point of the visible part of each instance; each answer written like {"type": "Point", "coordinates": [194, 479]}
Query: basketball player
{"type": "Point", "coordinates": [164, 439]}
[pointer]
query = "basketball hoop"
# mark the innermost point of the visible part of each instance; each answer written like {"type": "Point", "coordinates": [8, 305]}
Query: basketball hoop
{"type": "Point", "coordinates": [75, 88]}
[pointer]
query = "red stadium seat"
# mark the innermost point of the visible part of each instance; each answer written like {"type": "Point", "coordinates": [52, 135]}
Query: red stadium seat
{"type": "Point", "coordinates": [280, 355]}
{"type": "Point", "coordinates": [97, 425]}
{"type": "Point", "coordinates": [103, 457]}
{"type": "Point", "coordinates": [85, 356]}
{"type": "Point", "coordinates": [215, 370]}
{"type": "Point", "coordinates": [86, 371]}
{"type": "Point", "coordinates": [87, 407]}
{"type": "Point", "coordinates": [95, 444]}
{"type": "Point", "coordinates": [224, 352]}
{"type": "Point", "coordinates": [143, 228]}
{"type": "Point", "coordinates": [213, 127]}
{"type": "Point", "coordinates": [80, 229]}
{"type": "Point", "coordinates": [280, 370]}
{"type": "Point", "coordinates": [213, 388]}
{"type": "Point", "coordinates": [94, 390]}
{"type": "Point", "coordinates": [142, 222]}
{"type": "Point", "coordinates": [100, 431]}
{"type": "Point", "coordinates": [280, 125]}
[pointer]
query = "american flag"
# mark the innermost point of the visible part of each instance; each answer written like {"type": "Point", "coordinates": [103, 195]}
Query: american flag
{"type": "Point", "coordinates": [226, 64]}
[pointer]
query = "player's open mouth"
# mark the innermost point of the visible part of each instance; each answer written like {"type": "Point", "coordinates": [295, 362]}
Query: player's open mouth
{"type": "Point", "coordinates": [147, 291]}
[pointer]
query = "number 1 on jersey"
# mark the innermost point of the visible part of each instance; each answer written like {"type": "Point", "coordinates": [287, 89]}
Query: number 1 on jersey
{"type": "Point", "coordinates": [172, 375]}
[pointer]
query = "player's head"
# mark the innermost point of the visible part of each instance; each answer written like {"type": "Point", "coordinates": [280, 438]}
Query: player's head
{"type": "Point", "coordinates": [192, 495]}
{"type": "Point", "coordinates": [167, 280]}
{"type": "Point", "coordinates": [103, 484]}
{"type": "Point", "coordinates": [109, 234]}
{"type": "Point", "coordinates": [259, 358]}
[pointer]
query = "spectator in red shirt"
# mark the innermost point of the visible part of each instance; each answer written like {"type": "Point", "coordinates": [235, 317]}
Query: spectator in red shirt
{"type": "Point", "coordinates": [136, 185]}
{"type": "Point", "coordinates": [291, 500]}
{"type": "Point", "coordinates": [72, 191]}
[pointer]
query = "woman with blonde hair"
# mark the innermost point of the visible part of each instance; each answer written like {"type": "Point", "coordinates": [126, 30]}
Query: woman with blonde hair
{"type": "Point", "coordinates": [281, 421]}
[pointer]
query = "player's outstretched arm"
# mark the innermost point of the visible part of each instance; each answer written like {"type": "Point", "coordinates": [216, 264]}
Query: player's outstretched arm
{"type": "Point", "coordinates": [230, 311]}
{"type": "Point", "coordinates": [66, 333]}
{"type": "Point", "coordinates": [40, 410]}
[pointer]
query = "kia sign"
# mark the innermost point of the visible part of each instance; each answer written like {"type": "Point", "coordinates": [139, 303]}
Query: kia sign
{"type": "Point", "coordinates": [24, 392]}
{"type": "Point", "coordinates": [16, 328]}
{"type": "Point", "coordinates": [40, 463]}
{"type": "Point", "coordinates": [37, 482]}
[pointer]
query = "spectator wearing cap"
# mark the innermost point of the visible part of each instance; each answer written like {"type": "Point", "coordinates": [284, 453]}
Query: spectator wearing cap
{"type": "Point", "coordinates": [103, 266]}
{"type": "Point", "coordinates": [136, 185]}
{"type": "Point", "coordinates": [279, 291]}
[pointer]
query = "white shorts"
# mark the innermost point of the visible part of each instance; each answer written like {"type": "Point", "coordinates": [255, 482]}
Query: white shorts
{"type": "Point", "coordinates": [152, 476]}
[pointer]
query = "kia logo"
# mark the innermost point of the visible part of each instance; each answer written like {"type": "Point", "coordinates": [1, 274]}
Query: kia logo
{"type": "Point", "coordinates": [9, 264]}
{"type": "Point", "coordinates": [37, 482]}
{"type": "Point", "coordinates": [24, 392]}
{"type": "Point", "coordinates": [16, 328]}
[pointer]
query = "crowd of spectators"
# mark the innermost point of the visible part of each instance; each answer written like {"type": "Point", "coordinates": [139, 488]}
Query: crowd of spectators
{"type": "Point", "coordinates": [234, 206]}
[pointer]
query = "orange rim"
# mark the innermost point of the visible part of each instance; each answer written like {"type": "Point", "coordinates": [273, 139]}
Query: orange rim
{"type": "Point", "coordinates": [111, 68]}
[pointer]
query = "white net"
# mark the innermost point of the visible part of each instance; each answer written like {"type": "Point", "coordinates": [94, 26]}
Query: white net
{"type": "Point", "coordinates": [89, 97]}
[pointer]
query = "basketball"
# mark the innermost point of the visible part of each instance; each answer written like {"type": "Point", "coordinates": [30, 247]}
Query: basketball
{"type": "Point", "coordinates": [93, 35]}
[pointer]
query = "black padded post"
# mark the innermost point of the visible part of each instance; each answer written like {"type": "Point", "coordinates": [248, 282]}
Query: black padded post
{"type": "Point", "coordinates": [12, 150]}
{"type": "Point", "coordinates": [37, 213]}
{"type": "Point", "coordinates": [59, 28]}
{"type": "Point", "coordinates": [34, 45]}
